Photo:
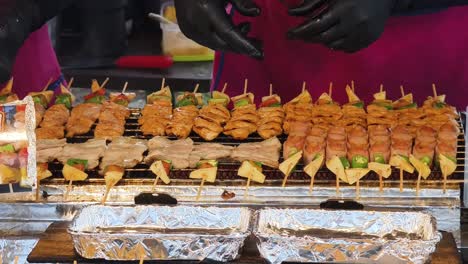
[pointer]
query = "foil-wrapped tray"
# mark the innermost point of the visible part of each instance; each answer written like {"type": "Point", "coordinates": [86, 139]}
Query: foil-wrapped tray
{"type": "Point", "coordinates": [302, 235]}
{"type": "Point", "coordinates": [160, 232]}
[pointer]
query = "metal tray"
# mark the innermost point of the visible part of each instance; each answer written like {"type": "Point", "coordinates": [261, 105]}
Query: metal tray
{"type": "Point", "coordinates": [303, 235]}
{"type": "Point", "coordinates": [160, 232]}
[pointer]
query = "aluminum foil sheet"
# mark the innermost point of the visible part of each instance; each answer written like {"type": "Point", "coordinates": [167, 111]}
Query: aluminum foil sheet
{"type": "Point", "coordinates": [11, 248]}
{"type": "Point", "coordinates": [304, 235]}
{"type": "Point", "coordinates": [160, 232]}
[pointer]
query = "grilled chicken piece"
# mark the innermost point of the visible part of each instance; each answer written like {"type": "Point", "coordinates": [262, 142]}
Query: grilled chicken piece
{"type": "Point", "coordinates": [270, 122]}
{"type": "Point", "coordinates": [182, 121]}
{"type": "Point", "coordinates": [209, 151]}
{"type": "Point", "coordinates": [155, 117]}
{"type": "Point", "coordinates": [82, 118]}
{"type": "Point", "coordinates": [111, 121]}
{"type": "Point", "coordinates": [243, 122]}
{"type": "Point", "coordinates": [267, 152]}
{"type": "Point", "coordinates": [92, 150]}
{"type": "Point", "coordinates": [124, 152]}
{"type": "Point", "coordinates": [210, 120]}
{"type": "Point", "coordinates": [50, 132]}
{"type": "Point", "coordinates": [48, 150]}
{"type": "Point", "coordinates": [57, 115]}
{"type": "Point", "coordinates": [177, 151]}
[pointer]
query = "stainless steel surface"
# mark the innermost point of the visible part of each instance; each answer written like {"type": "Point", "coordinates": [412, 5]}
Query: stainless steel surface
{"type": "Point", "coordinates": [303, 235]}
{"type": "Point", "coordinates": [160, 232]}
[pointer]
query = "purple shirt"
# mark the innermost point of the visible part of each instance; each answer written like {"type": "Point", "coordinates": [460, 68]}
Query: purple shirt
{"type": "Point", "coordinates": [35, 64]}
{"type": "Point", "coordinates": [414, 51]}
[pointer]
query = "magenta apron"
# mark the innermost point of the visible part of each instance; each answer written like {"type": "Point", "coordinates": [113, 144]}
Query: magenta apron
{"type": "Point", "coordinates": [414, 51]}
{"type": "Point", "coordinates": [35, 64]}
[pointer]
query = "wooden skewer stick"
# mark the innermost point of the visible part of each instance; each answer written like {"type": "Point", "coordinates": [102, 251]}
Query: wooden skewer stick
{"type": "Point", "coordinates": [70, 83]}
{"type": "Point", "coordinates": [337, 185]}
{"type": "Point", "coordinates": [108, 188]}
{"type": "Point", "coordinates": [47, 85]}
{"type": "Point", "coordinates": [311, 188]}
{"type": "Point", "coordinates": [200, 188]}
{"type": "Point", "coordinates": [38, 189]}
{"type": "Point", "coordinates": [402, 90]}
{"type": "Point", "coordinates": [418, 183]}
{"type": "Point", "coordinates": [195, 90]}
{"type": "Point", "coordinates": [271, 89]}
{"type": "Point", "coordinates": [224, 87]}
{"type": "Point", "coordinates": [74, 262]}
{"type": "Point", "coordinates": [246, 194]}
{"type": "Point", "coordinates": [155, 184]}
{"type": "Point", "coordinates": [358, 189]}
{"type": "Point", "coordinates": [69, 187]}
{"type": "Point", "coordinates": [330, 89]}
{"type": "Point", "coordinates": [286, 176]}
{"type": "Point", "coordinates": [16, 260]}
{"type": "Point", "coordinates": [401, 180]}
{"type": "Point", "coordinates": [246, 84]}
{"type": "Point", "coordinates": [352, 85]}
{"type": "Point", "coordinates": [304, 85]}
{"type": "Point", "coordinates": [124, 88]}
{"type": "Point", "coordinates": [142, 259]}
{"type": "Point", "coordinates": [163, 82]}
{"type": "Point", "coordinates": [380, 183]}
{"type": "Point", "coordinates": [445, 184]}
{"type": "Point", "coordinates": [10, 185]}
{"type": "Point", "coordinates": [381, 87]}
{"type": "Point", "coordinates": [105, 82]}
{"type": "Point", "coordinates": [434, 90]}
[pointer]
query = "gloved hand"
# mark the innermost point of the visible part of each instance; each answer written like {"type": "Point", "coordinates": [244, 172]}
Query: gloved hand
{"type": "Point", "coordinates": [347, 25]}
{"type": "Point", "coordinates": [18, 19]}
{"type": "Point", "coordinates": [207, 23]}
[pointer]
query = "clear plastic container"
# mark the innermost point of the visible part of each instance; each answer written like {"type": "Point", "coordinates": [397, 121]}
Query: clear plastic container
{"type": "Point", "coordinates": [174, 42]}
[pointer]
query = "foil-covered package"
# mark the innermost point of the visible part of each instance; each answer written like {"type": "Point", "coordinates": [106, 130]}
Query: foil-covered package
{"type": "Point", "coordinates": [18, 142]}
{"type": "Point", "coordinates": [303, 235]}
{"type": "Point", "coordinates": [160, 232]}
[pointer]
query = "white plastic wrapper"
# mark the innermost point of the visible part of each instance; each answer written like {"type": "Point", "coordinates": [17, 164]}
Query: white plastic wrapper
{"type": "Point", "coordinates": [18, 143]}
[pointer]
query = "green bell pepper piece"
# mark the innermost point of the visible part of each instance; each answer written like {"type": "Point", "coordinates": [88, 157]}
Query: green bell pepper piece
{"type": "Point", "coordinates": [359, 161]}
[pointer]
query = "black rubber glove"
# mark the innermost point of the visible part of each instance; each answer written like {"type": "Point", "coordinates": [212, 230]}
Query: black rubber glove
{"type": "Point", "coordinates": [347, 25]}
{"type": "Point", "coordinates": [207, 23]}
{"type": "Point", "coordinates": [18, 19]}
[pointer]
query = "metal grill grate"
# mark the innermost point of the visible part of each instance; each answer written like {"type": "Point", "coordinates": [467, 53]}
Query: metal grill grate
{"type": "Point", "coordinates": [227, 171]}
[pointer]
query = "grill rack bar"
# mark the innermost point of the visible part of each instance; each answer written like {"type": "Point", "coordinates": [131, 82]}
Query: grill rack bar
{"type": "Point", "coordinates": [227, 171]}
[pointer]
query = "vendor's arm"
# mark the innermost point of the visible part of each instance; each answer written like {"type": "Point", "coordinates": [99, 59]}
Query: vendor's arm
{"type": "Point", "coordinates": [207, 22]}
{"type": "Point", "coordinates": [18, 19]}
{"type": "Point", "coordinates": [351, 25]}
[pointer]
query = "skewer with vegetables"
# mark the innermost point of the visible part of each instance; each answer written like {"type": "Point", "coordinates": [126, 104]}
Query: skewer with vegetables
{"type": "Point", "coordinates": [423, 152]}
{"type": "Point", "coordinates": [446, 150]}
{"type": "Point", "coordinates": [244, 116]}
{"type": "Point", "coordinates": [207, 170]}
{"type": "Point", "coordinates": [184, 115]}
{"type": "Point", "coordinates": [358, 155]}
{"type": "Point", "coordinates": [380, 111]}
{"type": "Point", "coordinates": [157, 112]}
{"type": "Point", "coordinates": [326, 112]}
{"type": "Point", "coordinates": [379, 152]}
{"type": "Point", "coordinates": [253, 172]}
{"type": "Point", "coordinates": [401, 149]}
{"type": "Point", "coordinates": [298, 109]}
{"type": "Point", "coordinates": [73, 171]}
{"type": "Point", "coordinates": [162, 170]}
{"type": "Point", "coordinates": [56, 117]}
{"type": "Point", "coordinates": [314, 151]}
{"type": "Point", "coordinates": [271, 115]}
{"type": "Point", "coordinates": [6, 94]}
{"type": "Point", "coordinates": [336, 149]}
{"type": "Point", "coordinates": [212, 117]}
{"type": "Point", "coordinates": [42, 100]}
{"type": "Point", "coordinates": [83, 116]}
{"type": "Point", "coordinates": [112, 117]}
{"type": "Point", "coordinates": [353, 111]}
